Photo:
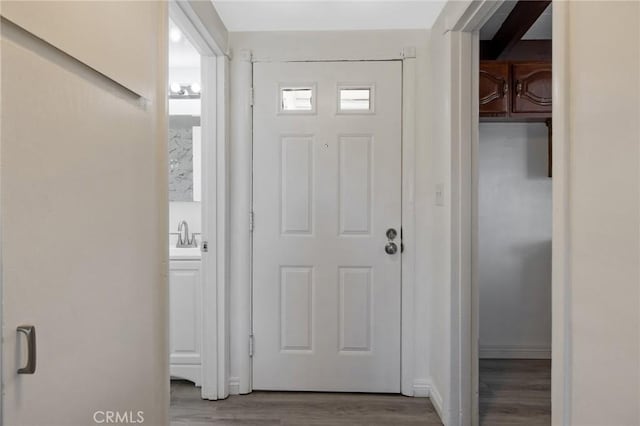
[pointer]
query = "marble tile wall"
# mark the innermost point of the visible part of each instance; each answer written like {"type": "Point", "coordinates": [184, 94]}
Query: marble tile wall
{"type": "Point", "coordinates": [181, 157]}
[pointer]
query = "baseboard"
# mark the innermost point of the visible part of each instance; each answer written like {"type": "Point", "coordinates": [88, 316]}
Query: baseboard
{"type": "Point", "coordinates": [515, 352]}
{"type": "Point", "coordinates": [234, 386]}
{"type": "Point", "coordinates": [436, 400]}
{"type": "Point", "coordinates": [421, 388]}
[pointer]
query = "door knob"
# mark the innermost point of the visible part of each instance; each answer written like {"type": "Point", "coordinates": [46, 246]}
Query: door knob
{"type": "Point", "coordinates": [391, 248]}
{"type": "Point", "coordinates": [391, 234]}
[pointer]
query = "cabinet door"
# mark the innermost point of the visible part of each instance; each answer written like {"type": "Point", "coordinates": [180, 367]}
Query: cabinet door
{"type": "Point", "coordinates": [494, 87]}
{"type": "Point", "coordinates": [185, 319]}
{"type": "Point", "coordinates": [532, 89]}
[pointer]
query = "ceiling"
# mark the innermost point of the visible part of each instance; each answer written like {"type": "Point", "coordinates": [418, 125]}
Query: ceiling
{"type": "Point", "coordinates": [314, 15]}
{"type": "Point", "coordinates": [540, 30]}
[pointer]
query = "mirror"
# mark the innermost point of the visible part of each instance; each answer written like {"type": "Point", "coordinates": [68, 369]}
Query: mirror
{"type": "Point", "coordinates": [184, 118]}
{"type": "Point", "coordinates": [184, 158]}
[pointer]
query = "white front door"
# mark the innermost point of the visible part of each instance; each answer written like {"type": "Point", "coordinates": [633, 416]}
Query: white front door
{"type": "Point", "coordinates": [326, 189]}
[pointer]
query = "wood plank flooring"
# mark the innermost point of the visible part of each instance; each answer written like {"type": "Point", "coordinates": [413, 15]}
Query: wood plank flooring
{"type": "Point", "coordinates": [299, 408]}
{"type": "Point", "coordinates": [512, 392]}
{"type": "Point", "coordinates": [515, 392]}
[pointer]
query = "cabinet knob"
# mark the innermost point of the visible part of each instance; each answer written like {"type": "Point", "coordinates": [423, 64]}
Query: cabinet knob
{"type": "Point", "coordinates": [518, 88]}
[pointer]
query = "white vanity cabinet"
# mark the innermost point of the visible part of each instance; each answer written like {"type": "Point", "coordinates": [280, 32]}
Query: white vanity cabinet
{"type": "Point", "coordinates": [185, 304]}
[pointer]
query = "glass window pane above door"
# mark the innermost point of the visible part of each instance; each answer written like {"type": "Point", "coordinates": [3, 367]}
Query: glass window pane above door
{"type": "Point", "coordinates": [296, 99]}
{"type": "Point", "coordinates": [355, 99]}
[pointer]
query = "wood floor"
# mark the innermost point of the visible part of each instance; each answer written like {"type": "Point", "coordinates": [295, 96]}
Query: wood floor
{"type": "Point", "coordinates": [512, 392]}
{"type": "Point", "coordinates": [515, 392]}
{"type": "Point", "coordinates": [299, 408]}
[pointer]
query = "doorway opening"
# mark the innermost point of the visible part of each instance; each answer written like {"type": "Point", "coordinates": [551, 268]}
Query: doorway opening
{"type": "Point", "coordinates": [513, 216]}
{"type": "Point", "coordinates": [197, 89]}
{"type": "Point", "coordinates": [185, 207]}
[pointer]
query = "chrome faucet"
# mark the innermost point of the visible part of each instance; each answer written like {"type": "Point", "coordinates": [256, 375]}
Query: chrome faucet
{"type": "Point", "coordinates": [184, 241]}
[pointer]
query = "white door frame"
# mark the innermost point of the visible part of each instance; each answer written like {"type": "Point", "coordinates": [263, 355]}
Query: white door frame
{"type": "Point", "coordinates": [465, 50]}
{"type": "Point", "coordinates": [241, 206]}
{"type": "Point", "coordinates": [215, 89]}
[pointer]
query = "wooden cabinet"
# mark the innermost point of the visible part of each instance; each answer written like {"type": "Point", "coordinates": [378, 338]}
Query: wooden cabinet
{"type": "Point", "coordinates": [532, 89]}
{"type": "Point", "coordinates": [494, 88]}
{"type": "Point", "coordinates": [515, 90]}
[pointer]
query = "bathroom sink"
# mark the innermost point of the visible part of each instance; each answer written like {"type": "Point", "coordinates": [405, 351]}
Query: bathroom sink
{"type": "Point", "coordinates": [191, 253]}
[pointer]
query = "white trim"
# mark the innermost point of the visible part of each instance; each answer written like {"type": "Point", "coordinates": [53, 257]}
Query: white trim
{"type": "Point", "coordinates": [184, 17]}
{"type": "Point", "coordinates": [421, 388]}
{"type": "Point", "coordinates": [241, 171]}
{"type": "Point", "coordinates": [514, 352]}
{"type": "Point", "coordinates": [234, 385]}
{"type": "Point", "coordinates": [2, 322]}
{"type": "Point", "coordinates": [222, 217]}
{"type": "Point", "coordinates": [209, 230]}
{"type": "Point", "coordinates": [317, 46]}
{"type": "Point", "coordinates": [203, 37]}
{"type": "Point", "coordinates": [561, 272]}
{"type": "Point", "coordinates": [475, 293]}
{"type": "Point", "coordinates": [436, 399]}
{"type": "Point", "coordinates": [241, 257]}
{"type": "Point", "coordinates": [408, 267]}
{"type": "Point", "coordinates": [214, 70]}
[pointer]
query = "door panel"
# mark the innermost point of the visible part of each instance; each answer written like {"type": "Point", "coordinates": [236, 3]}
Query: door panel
{"type": "Point", "coordinates": [326, 295]}
{"type": "Point", "coordinates": [532, 92]}
{"type": "Point", "coordinates": [494, 87]}
{"type": "Point", "coordinates": [83, 238]}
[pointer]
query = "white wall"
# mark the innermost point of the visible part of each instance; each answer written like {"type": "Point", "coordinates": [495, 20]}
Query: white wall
{"type": "Point", "coordinates": [435, 265]}
{"type": "Point", "coordinates": [184, 75]}
{"type": "Point", "coordinates": [601, 90]}
{"type": "Point", "coordinates": [514, 232]}
{"type": "Point", "coordinates": [444, 274]}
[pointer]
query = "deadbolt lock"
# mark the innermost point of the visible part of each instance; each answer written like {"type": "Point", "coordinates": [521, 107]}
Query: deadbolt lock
{"type": "Point", "coordinates": [391, 234]}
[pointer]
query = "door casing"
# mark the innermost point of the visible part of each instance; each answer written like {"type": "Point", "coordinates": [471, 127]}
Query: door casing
{"type": "Point", "coordinates": [214, 267]}
{"type": "Point", "coordinates": [241, 167]}
{"type": "Point", "coordinates": [465, 24]}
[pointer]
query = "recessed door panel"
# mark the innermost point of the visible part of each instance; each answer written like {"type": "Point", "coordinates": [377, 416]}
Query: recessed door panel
{"type": "Point", "coordinates": [355, 184]}
{"type": "Point", "coordinates": [355, 309]}
{"type": "Point", "coordinates": [297, 184]}
{"type": "Point", "coordinates": [296, 308]}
